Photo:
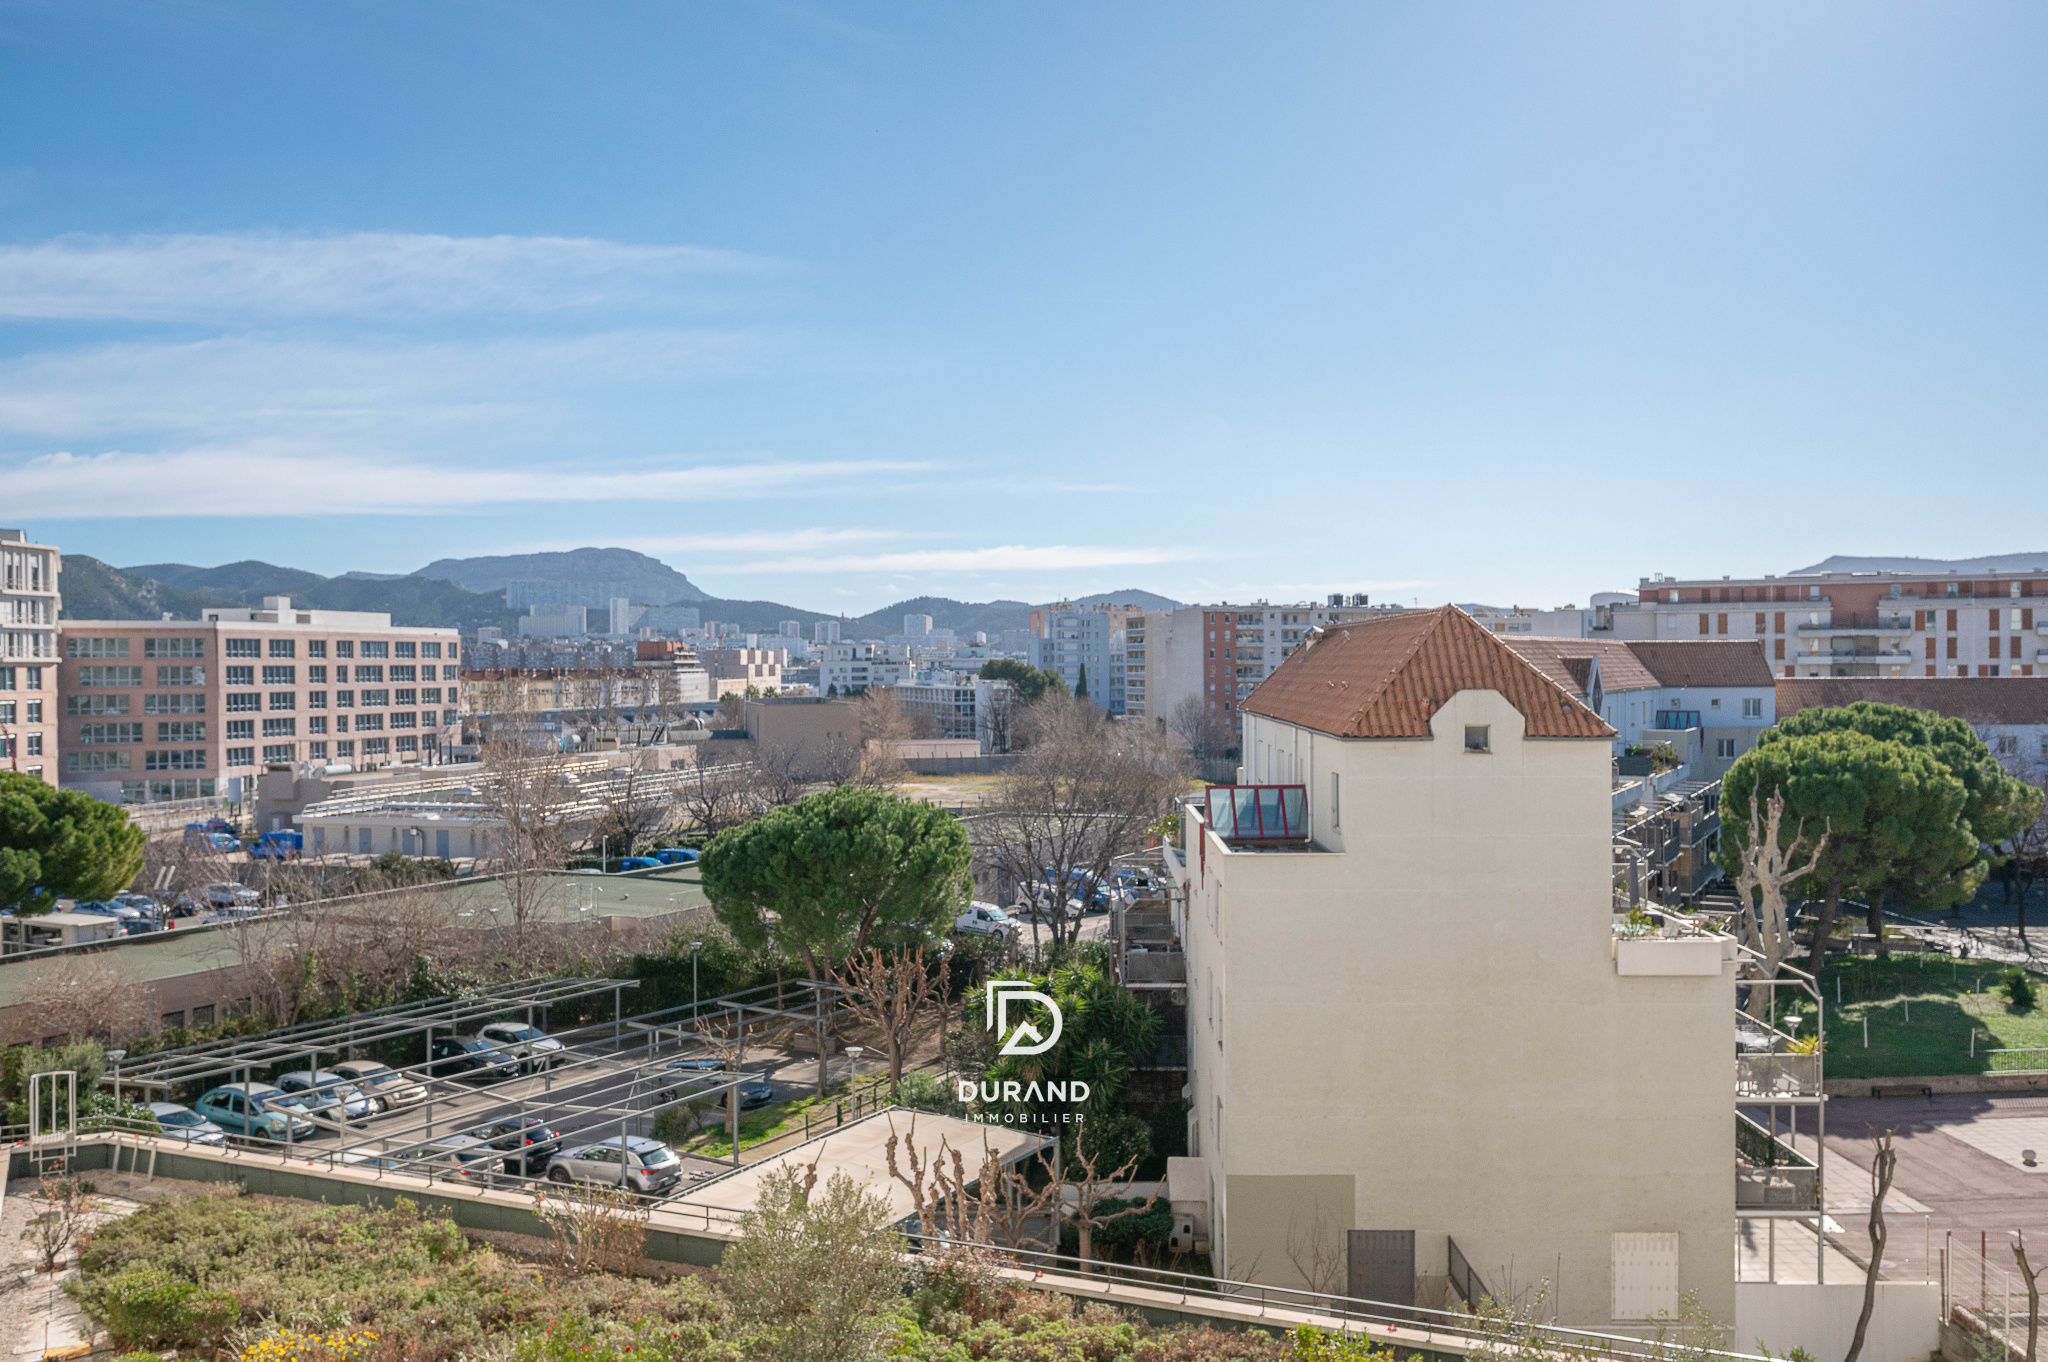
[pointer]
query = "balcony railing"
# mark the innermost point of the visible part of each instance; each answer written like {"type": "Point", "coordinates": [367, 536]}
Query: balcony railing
{"type": "Point", "coordinates": [1760, 1078]}
{"type": "Point", "coordinates": [1155, 967]}
{"type": "Point", "coordinates": [1257, 813]}
{"type": "Point", "coordinates": [1843, 622]}
{"type": "Point", "coordinates": [1769, 1174]}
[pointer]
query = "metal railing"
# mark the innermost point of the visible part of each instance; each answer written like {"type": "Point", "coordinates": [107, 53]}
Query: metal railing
{"type": "Point", "coordinates": [1763, 1077]}
{"type": "Point", "coordinates": [1465, 1281]}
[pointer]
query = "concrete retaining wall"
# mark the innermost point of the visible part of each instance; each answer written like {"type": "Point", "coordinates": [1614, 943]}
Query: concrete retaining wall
{"type": "Point", "coordinates": [1905, 1326]}
{"type": "Point", "coordinates": [2016, 1081]}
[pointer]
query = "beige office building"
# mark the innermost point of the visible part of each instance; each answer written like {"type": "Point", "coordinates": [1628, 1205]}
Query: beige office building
{"type": "Point", "coordinates": [29, 606]}
{"type": "Point", "coordinates": [1414, 1043]}
{"type": "Point", "coordinates": [157, 710]}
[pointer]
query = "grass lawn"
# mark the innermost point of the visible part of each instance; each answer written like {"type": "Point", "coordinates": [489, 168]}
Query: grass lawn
{"type": "Point", "coordinates": [1945, 1002]}
{"type": "Point", "coordinates": [778, 1119]}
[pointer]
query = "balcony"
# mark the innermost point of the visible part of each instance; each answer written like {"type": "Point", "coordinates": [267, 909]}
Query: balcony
{"type": "Point", "coordinates": [1885, 622]}
{"type": "Point", "coordinates": [1771, 1176]}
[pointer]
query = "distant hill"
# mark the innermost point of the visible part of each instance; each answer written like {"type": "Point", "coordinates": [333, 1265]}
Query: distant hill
{"type": "Point", "coordinates": [468, 593]}
{"type": "Point", "coordinates": [94, 591]}
{"type": "Point", "coordinates": [653, 582]}
{"type": "Point", "coordinates": [2002, 562]}
{"type": "Point", "coordinates": [147, 591]}
{"type": "Point", "coordinates": [235, 579]}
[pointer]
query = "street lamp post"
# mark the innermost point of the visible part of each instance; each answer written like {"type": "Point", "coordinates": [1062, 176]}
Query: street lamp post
{"type": "Point", "coordinates": [853, 1054]}
{"type": "Point", "coordinates": [695, 946]}
{"type": "Point", "coordinates": [116, 1056]}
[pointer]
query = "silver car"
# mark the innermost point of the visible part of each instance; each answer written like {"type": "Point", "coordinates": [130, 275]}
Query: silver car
{"type": "Point", "coordinates": [648, 1167]}
{"type": "Point", "coordinates": [535, 1049]}
{"type": "Point", "coordinates": [327, 1094]}
{"type": "Point", "coordinates": [382, 1084]}
{"type": "Point", "coordinates": [182, 1123]}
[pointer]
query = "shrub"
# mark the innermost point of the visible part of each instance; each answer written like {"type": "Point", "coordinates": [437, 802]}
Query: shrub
{"type": "Point", "coordinates": [152, 1309]}
{"type": "Point", "coordinates": [2018, 989]}
{"type": "Point", "coordinates": [928, 1091]}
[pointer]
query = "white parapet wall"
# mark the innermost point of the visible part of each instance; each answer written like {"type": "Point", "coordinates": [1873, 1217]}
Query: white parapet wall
{"type": "Point", "coordinates": [1905, 1326]}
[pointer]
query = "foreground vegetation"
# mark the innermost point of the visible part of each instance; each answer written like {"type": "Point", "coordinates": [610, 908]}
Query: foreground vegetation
{"type": "Point", "coordinates": [817, 1275]}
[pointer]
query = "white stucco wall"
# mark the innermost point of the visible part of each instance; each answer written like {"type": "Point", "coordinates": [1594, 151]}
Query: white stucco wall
{"type": "Point", "coordinates": [1427, 1015]}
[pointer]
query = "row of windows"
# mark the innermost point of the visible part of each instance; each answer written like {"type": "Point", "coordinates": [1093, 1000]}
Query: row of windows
{"type": "Point", "coordinates": [289, 676]}
{"type": "Point", "coordinates": [21, 678]}
{"type": "Point", "coordinates": [319, 751]}
{"type": "Point", "coordinates": [317, 647]}
{"type": "Point", "coordinates": [33, 746]}
{"type": "Point", "coordinates": [33, 707]}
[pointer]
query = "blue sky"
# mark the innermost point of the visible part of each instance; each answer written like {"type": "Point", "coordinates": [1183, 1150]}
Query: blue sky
{"type": "Point", "coordinates": [835, 305]}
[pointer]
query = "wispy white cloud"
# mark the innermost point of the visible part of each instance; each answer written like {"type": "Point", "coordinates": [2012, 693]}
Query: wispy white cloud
{"type": "Point", "coordinates": [258, 479]}
{"type": "Point", "coordinates": [378, 275]}
{"type": "Point", "coordinates": [1000, 558]}
{"type": "Point", "coordinates": [235, 386]}
{"type": "Point", "coordinates": [765, 540]}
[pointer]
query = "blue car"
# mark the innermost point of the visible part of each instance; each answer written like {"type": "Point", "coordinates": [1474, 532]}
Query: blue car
{"type": "Point", "coordinates": [675, 855]}
{"type": "Point", "coordinates": [256, 1110]}
{"type": "Point", "coordinates": [637, 863]}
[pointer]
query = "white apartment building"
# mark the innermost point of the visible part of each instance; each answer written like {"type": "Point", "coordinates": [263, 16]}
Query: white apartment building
{"type": "Point", "coordinates": [850, 668]}
{"type": "Point", "coordinates": [1077, 646]}
{"type": "Point", "coordinates": [1850, 624]}
{"type": "Point", "coordinates": [1218, 653]}
{"type": "Point", "coordinates": [962, 706]}
{"type": "Point", "coordinates": [29, 609]}
{"type": "Point", "coordinates": [1414, 1036]}
{"type": "Point", "coordinates": [1707, 698]}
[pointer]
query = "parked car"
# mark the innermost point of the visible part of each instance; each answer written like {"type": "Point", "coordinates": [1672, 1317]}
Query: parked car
{"type": "Point", "coordinates": [534, 1048]}
{"type": "Point", "coordinates": [452, 1156]}
{"type": "Point", "coordinates": [232, 895]}
{"type": "Point", "coordinates": [382, 1084]}
{"type": "Point", "coordinates": [182, 1123]}
{"type": "Point", "coordinates": [278, 846]}
{"type": "Point", "coordinates": [676, 855]}
{"type": "Point", "coordinates": [984, 919]}
{"type": "Point", "coordinates": [468, 1057]}
{"type": "Point", "coordinates": [106, 909]}
{"type": "Point", "coordinates": [526, 1142]}
{"type": "Point", "coordinates": [256, 1110]}
{"type": "Point", "coordinates": [646, 1166]}
{"type": "Point", "coordinates": [755, 1092]}
{"type": "Point", "coordinates": [205, 835]}
{"type": "Point", "coordinates": [328, 1094]}
{"type": "Point", "coordinates": [637, 863]}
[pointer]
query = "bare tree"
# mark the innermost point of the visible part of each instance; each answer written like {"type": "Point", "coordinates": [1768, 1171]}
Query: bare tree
{"type": "Point", "coordinates": [1767, 867]}
{"type": "Point", "coordinates": [75, 996]}
{"type": "Point", "coordinates": [1091, 1190]}
{"type": "Point", "coordinates": [1882, 1165]}
{"type": "Point", "coordinates": [2031, 1275]}
{"type": "Point", "coordinates": [595, 1228]}
{"type": "Point", "coordinates": [1084, 794]}
{"type": "Point", "coordinates": [636, 805]}
{"type": "Point", "coordinates": [1007, 1204]}
{"type": "Point", "coordinates": [782, 771]}
{"type": "Point", "coordinates": [1318, 1252]}
{"type": "Point", "coordinates": [892, 993]}
{"type": "Point", "coordinates": [1203, 730]}
{"type": "Point", "coordinates": [883, 727]}
{"type": "Point", "coordinates": [713, 798]}
{"type": "Point", "coordinates": [525, 784]}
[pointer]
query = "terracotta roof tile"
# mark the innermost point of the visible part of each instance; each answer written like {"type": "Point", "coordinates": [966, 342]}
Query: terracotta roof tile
{"type": "Point", "coordinates": [1556, 658]}
{"type": "Point", "coordinates": [1706, 662]}
{"type": "Point", "coordinates": [1973, 699]}
{"type": "Point", "coordinates": [1385, 678]}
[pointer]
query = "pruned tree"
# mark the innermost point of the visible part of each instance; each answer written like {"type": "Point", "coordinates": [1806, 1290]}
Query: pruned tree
{"type": "Point", "coordinates": [892, 992]}
{"type": "Point", "coordinates": [1092, 1188]}
{"type": "Point", "coordinates": [2031, 1275]}
{"type": "Point", "coordinates": [883, 726]}
{"type": "Point", "coordinates": [525, 785]}
{"type": "Point", "coordinates": [1762, 863]}
{"type": "Point", "coordinates": [823, 874]}
{"type": "Point", "coordinates": [1884, 1162]}
{"type": "Point", "coordinates": [595, 1228]}
{"type": "Point", "coordinates": [1007, 1203]}
{"type": "Point", "coordinates": [1318, 1250]}
{"type": "Point", "coordinates": [1084, 793]}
